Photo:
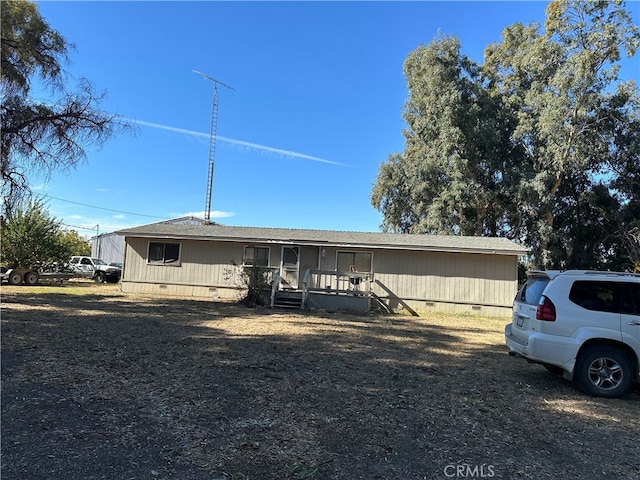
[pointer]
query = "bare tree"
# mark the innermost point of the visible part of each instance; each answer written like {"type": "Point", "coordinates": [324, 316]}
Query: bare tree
{"type": "Point", "coordinates": [41, 137]}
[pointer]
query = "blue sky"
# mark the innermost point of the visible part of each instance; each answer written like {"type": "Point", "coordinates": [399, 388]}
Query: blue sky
{"type": "Point", "coordinates": [316, 106]}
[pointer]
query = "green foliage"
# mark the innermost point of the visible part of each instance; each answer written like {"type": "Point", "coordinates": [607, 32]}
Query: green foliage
{"type": "Point", "coordinates": [559, 83]}
{"type": "Point", "coordinates": [541, 144]}
{"type": "Point", "coordinates": [257, 280]}
{"type": "Point", "coordinates": [453, 176]}
{"type": "Point", "coordinates": [29, 45]}
{"type": "Point", "coordinates": [31, 237]}
{"type": "Point", "coordinates": [39, 138]}
{"type": "Point", "coordinates": [74, 244]}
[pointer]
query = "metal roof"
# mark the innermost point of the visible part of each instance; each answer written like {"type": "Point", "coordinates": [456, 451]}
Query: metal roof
{"type": "Point", "coordinates": [196, 229]}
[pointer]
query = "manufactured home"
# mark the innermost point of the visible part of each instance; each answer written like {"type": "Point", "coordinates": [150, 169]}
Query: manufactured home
{"type": "Point", "coordinates": [108, 246]}
{"type": "Point", "coordinates": [319, 269]}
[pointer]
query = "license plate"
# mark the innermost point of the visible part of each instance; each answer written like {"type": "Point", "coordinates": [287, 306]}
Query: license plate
{"type": "Point", "coordinates": [520, 321]}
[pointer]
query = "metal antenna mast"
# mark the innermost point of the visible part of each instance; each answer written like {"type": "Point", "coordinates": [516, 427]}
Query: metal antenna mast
{"type": "Point", "coordinates": [212, 140]}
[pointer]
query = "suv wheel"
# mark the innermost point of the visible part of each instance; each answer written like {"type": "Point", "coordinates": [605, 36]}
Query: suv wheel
{"type": "Point", "coordinates": [604, 371]}
{"type": "Point", "coordinates": [99, 277]}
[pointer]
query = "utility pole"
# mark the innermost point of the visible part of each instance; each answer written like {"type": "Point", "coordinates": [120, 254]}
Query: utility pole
{"type": "Point", "coordinates": [98, 242]}
{"type": "Point", "coordinates": [212, 140]}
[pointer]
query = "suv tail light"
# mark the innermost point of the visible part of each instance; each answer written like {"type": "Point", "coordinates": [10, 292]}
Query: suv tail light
{"type": "Point", "coordinates": [546, 310]}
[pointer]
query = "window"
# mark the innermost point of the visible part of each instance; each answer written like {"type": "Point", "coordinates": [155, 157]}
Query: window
{"type": "Point", "coordinates": [598, 296]}
{"type": "Point", "coordinates": [290, 256]}
{"type": "Point", "coordinates": [532, 290]}
{"type": "Point", "coordinates": [161, 253]}
{"type": "Point", "coordinates": [354, 262]}
{"type": "Point", "coordinates": [258, 256]}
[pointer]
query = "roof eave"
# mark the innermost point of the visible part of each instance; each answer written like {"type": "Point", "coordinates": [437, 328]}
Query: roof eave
{"type": "Point", "coordinates": [327, 243]}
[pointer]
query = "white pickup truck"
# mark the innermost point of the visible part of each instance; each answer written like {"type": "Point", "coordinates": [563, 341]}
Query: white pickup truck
{"type": "Point", "coordinates": [95, 268]}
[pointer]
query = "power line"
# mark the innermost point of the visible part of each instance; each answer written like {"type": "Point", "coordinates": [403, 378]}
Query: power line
{"type": "Point", "coordinates": [79, 228]}
{"type": "Point", "coordinates": [102, 208]}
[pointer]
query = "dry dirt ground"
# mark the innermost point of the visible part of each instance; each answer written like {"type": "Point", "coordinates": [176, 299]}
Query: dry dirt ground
{"type": "Point", "coordinates": [101, 385]}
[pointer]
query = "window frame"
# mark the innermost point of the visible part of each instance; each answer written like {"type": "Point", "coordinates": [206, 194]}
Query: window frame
{"type": "Point", "coordinates": [253, 262]}
{"type": "Point", "coordinates": [163, 262]}
{"type": "Point", "coordinates": [355, 253]}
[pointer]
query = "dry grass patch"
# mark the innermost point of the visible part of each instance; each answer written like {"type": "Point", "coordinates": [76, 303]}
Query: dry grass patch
{"type": "Point", "coordinates": [192, 389]}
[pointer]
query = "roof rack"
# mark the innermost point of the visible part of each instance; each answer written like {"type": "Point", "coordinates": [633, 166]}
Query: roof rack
{"type": "Point", "coordinates": [620, 274]}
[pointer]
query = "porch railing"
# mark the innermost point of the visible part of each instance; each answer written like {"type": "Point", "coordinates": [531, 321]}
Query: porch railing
{"type": "Point", "coordinates": [332, 282]}
{"type": "Point", "coordinates": [275, 284]}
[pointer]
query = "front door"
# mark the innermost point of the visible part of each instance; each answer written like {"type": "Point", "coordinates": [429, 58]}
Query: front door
{"type": "Point", "coordinates": [290, 267]}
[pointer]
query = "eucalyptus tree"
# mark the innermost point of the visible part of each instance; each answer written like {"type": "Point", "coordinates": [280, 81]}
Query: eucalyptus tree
{"type": "Point", "coordinates": [563, 85]}
{"type": "Point", "coordinates": [39, 137]}
{"type": "Point", "coordinates": [454, 173]}
{"type": "Point", "coordinates": [539, 144]}
{"type": "Point", "coordinates": [624, 162]}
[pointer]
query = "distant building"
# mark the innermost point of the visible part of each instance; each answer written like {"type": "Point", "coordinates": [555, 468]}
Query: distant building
{"type": "Point", "coordinates": [108, 246]}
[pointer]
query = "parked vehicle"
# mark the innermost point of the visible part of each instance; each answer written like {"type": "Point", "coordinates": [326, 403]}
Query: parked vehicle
{"type": "Point", "coordinates": [31, 276]}
{"type": "Point", "coordinates": [584, 325]}
{"type": "Point", "coordinates": [95, 268]}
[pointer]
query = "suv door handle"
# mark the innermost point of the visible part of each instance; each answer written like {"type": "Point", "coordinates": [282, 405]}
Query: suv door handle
{"type": "Point", "coordinates": [634, 322]}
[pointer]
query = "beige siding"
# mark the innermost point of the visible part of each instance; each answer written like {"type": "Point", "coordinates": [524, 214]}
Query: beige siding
{"type": "Point", "coordinates": [207, 269]}
{"type": "Point", "coordinates": [328, 259]}
{"type": "Point", "coordinates": [440, 281]}
{"type": "Point", "coordinates": [476, 283]}
{"type": "Point", "coordinates": [201, 263]}
{"type": "Point", "coordinates": [308, 261]}
{"type": "Point", "coordinates": [478, 279]}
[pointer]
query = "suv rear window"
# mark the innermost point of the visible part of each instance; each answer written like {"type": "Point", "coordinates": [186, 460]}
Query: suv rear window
{"type": "Point", "coordinates": [598, 296]}
{"type": "Point", "coordinates": [532, 290]}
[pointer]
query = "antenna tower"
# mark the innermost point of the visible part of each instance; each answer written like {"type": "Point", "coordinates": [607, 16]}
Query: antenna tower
{"type": "Point", "coordinates": [212, 140]}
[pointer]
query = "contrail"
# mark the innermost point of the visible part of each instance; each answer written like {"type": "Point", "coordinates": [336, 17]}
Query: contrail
{"type": "Point", "coordinates": [231, 141]}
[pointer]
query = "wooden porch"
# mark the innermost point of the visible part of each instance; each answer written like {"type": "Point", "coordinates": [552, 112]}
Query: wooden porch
{"type": "Point", "coordinates": [324, 290]}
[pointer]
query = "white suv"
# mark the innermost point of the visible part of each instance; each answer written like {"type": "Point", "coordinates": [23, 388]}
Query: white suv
{"type": "Point", "coordinates": [584, 325]}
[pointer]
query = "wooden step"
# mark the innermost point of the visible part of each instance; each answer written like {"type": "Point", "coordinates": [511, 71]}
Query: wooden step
{"type": "Point", "coordinates": [288, 299]}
